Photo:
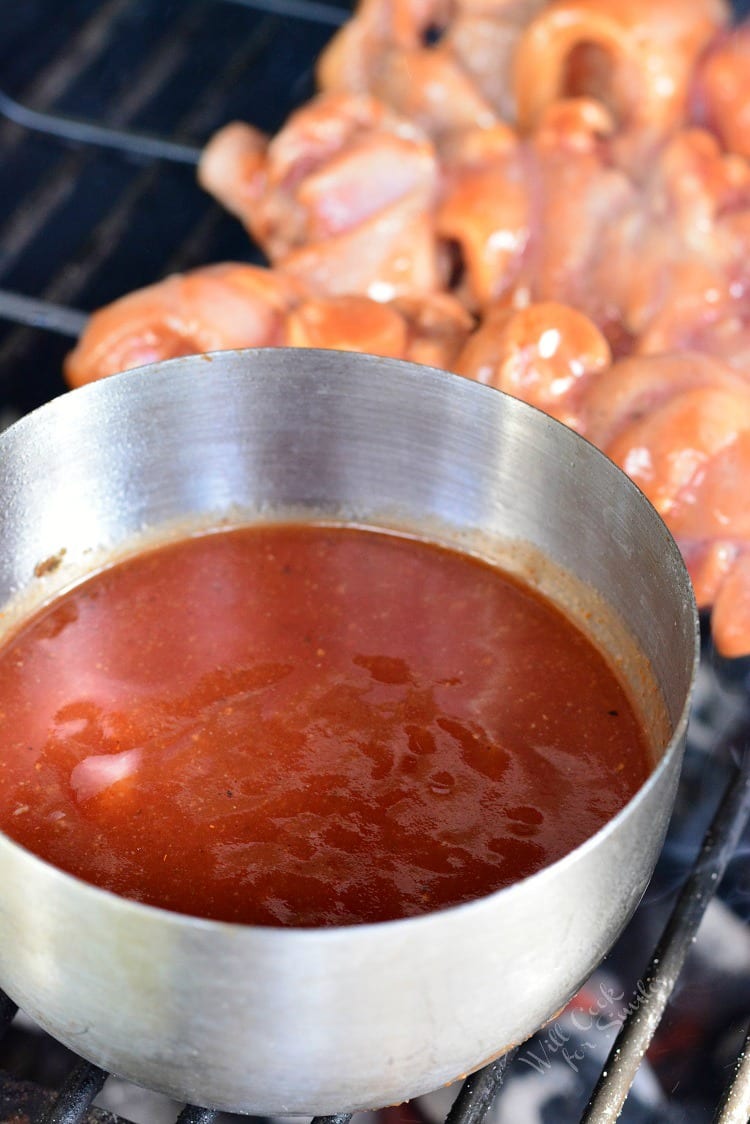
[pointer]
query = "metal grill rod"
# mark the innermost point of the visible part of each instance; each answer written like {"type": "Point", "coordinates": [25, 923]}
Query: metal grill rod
{"type": "Point", "coordinates": [639, 1027]}
{"type": "Point", "coordinates": [88, 132]}
{"type": "Point", "coordinates": [85, 45]}
{"type": "Point", "coordinates": [312, 10]}
{"type": "Point", "coordinates": [478, 1092]}
{"type": "Point", "coordinates": [735, 1104]}
{"type": "Point", "coordinates": [155, 68]}
{"type": "Point", "coordinates": [8, 1011]}
{"type": "Point", "coordinates": [76, 1095]}
{"type": "Point", "coordinates": [191, 1114]}
{"type": "Point", "coordinates": [110, 230]}
{"type": "Point", "coordinates": [145, 145]}
{"type": "Point", "coordinates": [38, 313]}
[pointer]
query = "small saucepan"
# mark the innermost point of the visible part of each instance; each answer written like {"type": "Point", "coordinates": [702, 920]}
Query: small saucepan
{"type": "Point", "coordinates": [272, 1021]}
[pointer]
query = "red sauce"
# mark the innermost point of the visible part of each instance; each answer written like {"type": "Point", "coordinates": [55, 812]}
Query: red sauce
{"type": "Point", "coordinates": [308, 725]}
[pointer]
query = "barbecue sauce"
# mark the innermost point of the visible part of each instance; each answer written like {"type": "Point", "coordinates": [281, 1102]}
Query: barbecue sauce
{"type": "Point", "coordinates": [308, 725]}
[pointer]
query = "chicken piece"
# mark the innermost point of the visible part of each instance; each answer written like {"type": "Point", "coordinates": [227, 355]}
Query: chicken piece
{"type": "Point", "coordinates": [456, 64]}
{"type": "Point", "coordinates": [667, 452]}
{"type": "Point", "coordinates": [347, 324]}
{"type": "Point", "coordinates": [635, 388]}
{"type": "Point", "coordinates": [685, 256]}
{"type": "Point", "coordinates": [660, 262]}
{"type": "Point", "coordinates": [708, 563]}
{"type": "Point", "coordinates": [721, 95]}
{"type": "Point", "coordinates": [730, 620]}
{"type": "Point", "coordinates": [529, 216]}
{"type": "Point", "coordinates": [342, 198]}
{"type": "Point", "coordinates": [695, 324]}
{"type": "Point", "coordinates": [486, 211]}
{"type": "Point", "coordinates": [228, 306]}
{"type": "Point", "coordinates": [427, 330]}
{"type": "Point", "coordinates": [210, 309]}
{"type": "Point", "coordinates": [438, 327]}
{"type": "Point", "coordinates": [580, 195]}
{"type": "Point", "coordinates": [680, 427]}
{"type": "Point", "coordinates": [545, 354]}
{"type": "Point", "coordinates": [444, 64]}
{"type": "Point", "coordinates": [682, 249]}
{"type": "Point", "coordinates": [231, 168]}
{"type": "Point", "coordinates": [634, 56]}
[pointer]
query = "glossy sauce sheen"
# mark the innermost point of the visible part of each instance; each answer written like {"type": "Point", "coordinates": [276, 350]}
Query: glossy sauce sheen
{"type": "Point", "coordinates": [308, 725]}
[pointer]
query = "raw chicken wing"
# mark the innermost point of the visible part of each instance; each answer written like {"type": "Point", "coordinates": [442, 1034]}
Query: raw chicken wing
{"type": "Point", "coordinates": [546, 354]}
{"type": "Point", "coordinates": [444, 64]}
{"type": "Point", "coordinates": [722, 90]}
{"type": "Point", "coordinates": [227, 306]}
{"type": "Point", "coordinates": [210, 309]}
{"type": "Point", "coordinates": [676, 265]}
{"type": "Point", "coordinates": [635, 56]}
{"type": "Point", "coordinates": [455, 64]}
{"type": "Point", "coordinates": [342, 198]}
{"type": "Point", "coordinates": [529, 215]}
{"type": "Point", "coordinates": [429, 330]}
{"type": "Point", "coordinates": [679, 425]}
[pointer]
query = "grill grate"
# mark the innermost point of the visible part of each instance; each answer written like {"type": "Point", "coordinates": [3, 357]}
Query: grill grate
{"type": "Point", "coordinates": [661, 976]}
{"type": "Point", "coordinates": [96, 202]}
{"type": "Point", "coordinates": [83, 224]}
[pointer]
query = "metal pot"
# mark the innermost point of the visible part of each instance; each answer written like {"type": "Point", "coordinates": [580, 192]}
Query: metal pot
{"type": "Point", "coordinates": [272, 1021]}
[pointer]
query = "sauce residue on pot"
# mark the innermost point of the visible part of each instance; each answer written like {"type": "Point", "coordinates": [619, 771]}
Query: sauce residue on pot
{"type": "Point", "coordinates": [303, 724]}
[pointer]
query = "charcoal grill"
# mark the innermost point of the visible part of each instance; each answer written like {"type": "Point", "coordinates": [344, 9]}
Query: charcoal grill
{"type": "Point", "coordinates": [103, 109]}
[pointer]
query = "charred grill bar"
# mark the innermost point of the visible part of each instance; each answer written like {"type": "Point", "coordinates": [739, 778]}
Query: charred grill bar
{"type": "Point", "coordinates": [97, 143]}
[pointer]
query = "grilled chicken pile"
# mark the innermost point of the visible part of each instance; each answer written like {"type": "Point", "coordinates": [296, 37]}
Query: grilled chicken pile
{"type": "Point", "coordinates": [552, 198]}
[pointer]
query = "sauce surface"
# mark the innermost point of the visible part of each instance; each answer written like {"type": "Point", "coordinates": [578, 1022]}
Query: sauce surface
{"type": "Point", "coordinates": [308, 725]}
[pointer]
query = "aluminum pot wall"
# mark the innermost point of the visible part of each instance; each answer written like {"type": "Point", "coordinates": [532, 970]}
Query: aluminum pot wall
{"type": "Point", "coordinates": [273, 1021]}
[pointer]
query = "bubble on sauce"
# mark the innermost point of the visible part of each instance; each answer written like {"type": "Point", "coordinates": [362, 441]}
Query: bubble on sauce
{"type": "Point", "coordinates": [479, 751]}
{"type": "Point", "coordinates": [95, 774]}
{"type": "Point", "coordinates": [385, 669]}
{"type": "Point", "coordinates": [523, 830]}
{"type": "Point", "coordinates": [421, 740]}
{"type": "Point", "coordinates": [382, 759]}
{"type": "Point", "coordinates": [409, 763]}
{"type": "Point", "coordinates": [442, 783]}
{"type": "Point", "coordinates": [526, 814]}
